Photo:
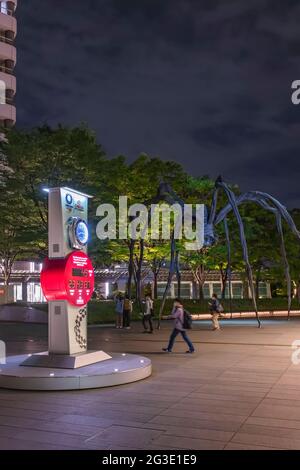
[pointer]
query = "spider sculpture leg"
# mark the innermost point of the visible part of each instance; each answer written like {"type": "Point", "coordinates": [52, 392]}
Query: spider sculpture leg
{"type": "Point", "coordinates": [280, 212]}
{"type": "Point", "coordinates": [228, 262]}
{"type": "Point", "coordinates": [172, 271]}
{"type": "Point", "coordinates": [234, 206]}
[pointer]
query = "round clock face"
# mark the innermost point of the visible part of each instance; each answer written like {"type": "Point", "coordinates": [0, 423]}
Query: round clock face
{"type": "Point", "coordinates": [78, 233]}
{"type": "Point", "coordinates": [81, 232]}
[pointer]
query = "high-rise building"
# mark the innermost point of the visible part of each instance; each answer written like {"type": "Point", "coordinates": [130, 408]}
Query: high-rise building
{"type": "Point", "coordinates": [8, 31]}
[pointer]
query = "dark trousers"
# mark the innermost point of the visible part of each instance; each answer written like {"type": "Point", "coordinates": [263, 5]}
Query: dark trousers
{"type": "Point", "coordinates": [147, 319]}
{"type": "Point", "coordinates": [176, 332]}
{"type": "Point", "coordinates": [126, 318]}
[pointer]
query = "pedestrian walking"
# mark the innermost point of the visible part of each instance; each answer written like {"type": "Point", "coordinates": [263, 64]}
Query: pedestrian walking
{"type": "Point", "coordinates": [148, 314]}
{"type": "Point", "coordinates": [215, 309]}
{"type": "Point", "coordinates": [127, 310]}
{"type": "Point", "coordinates": [119, 311]}
{"type": "Point", "coordinates": [178, 315]}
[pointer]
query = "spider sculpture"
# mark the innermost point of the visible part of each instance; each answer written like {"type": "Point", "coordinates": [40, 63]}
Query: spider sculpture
{"type": "Point", "coordinates": [213, 218]}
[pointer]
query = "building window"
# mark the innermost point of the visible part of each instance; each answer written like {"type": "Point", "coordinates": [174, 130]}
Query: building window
{"type": "Point", "coordinates": [217, 289]}
{"type": "Point", "coordinates": [263, 290]}
{"type": "Point", "coordinates": [35, 293]}
{"type": "Point", "coordinates": [185, 290]}
{"type": "Point", "coordinates": [237, 290]}
{"type": "Point", "coordinates": [206, 291]}
{"type": "Point", "coordinates": [161, 286]}
{"type": "Point", "coordinates": [17, 292]}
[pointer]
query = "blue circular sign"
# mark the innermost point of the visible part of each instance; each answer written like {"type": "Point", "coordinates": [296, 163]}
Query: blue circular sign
{"type": "Point", "coordinates": [82, 232]}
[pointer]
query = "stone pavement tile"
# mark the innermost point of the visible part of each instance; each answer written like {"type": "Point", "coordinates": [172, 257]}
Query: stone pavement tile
{"type": "Point", "coordinates": [45, 398]}
{"type": "Point", "coordinates": [122, 435]}
{"type": "Point", "coordinates": [19, 412]}
{"type": "Point", "coordinates": [295, 404]}
{"type": "Point", "coordinates": [7, 431]}
{"type": "Point", "coordinates": [214, 406]}
{"type": "Point", "coordinates": [56, 426]}
{"type": "Point", "coordinates": [213, 415]}
{"type": "Point", "coordinates": [53, 438]}
{"type": "Point", "coordinates": [266, 440]}
{"type": "Point", "coordinates": [79, 420]}
{"type": "Point", "coordinates": [155, 400]}
{"type": "Point", "coordinates": [289, 379]}
{"type": "Point", "coordinates": [197, 433]}
{"type": "Point", "coordinates": [121, 415]}
{"type": "Point", "coordinates": [36, 406]}
{"type": "Point", "coordinates": [266, 410]}
{"type": "Point", "coordinates": [238, 400]}
{"type": "Point", "coordinates": [236, 446]}
{"type": "Point", "coordinates": [200, 423]}
{"type": "Point", "coordinates": [188, 443]}
{"type": "Point", "coordinates": [270, 431]}
{"type": "Point", "coordinates": [273, 422]}
{"type": "Point", "coordinates": [291, 397]}
{"type": "Point", "coordinates": [17, 444]}
{"type": "Point", "coordinates": [242, 377]}
{"type": "Point", "coordinates": [236, 390]}
{"type": "Point", "coordinates": [144, 407]}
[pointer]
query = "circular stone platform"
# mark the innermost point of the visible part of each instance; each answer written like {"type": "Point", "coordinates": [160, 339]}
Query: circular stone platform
{"type": "Point", "coordinates": [120, 369]}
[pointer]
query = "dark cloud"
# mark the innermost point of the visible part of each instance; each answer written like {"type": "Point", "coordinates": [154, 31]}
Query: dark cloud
{"type": "Point", "coordinates": [203, 82]}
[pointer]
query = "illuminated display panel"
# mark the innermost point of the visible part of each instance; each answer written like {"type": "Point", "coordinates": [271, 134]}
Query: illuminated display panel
{"type": "Point", "coordinates": [70, 279]}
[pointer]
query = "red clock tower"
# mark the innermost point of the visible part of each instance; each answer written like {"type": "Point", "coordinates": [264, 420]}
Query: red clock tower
{"type": "Point", "coordinates": [67, 280]}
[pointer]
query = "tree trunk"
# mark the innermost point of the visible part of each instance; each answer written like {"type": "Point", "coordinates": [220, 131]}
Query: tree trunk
{"type": "Point", "coordinates": [223, 276]}
{"type": "Point", "coordinates": [199, 274]}
{"type": "Point", "coordinates": [298, 290]}
{"type": "Point", "coordinates": [257, 281]}
{"type": "Point", "coordinates": [200, 290]}
{"type": "Point", "coordinates": [245, 289]}
{"type": "Point", "coordinates": [155, 289]}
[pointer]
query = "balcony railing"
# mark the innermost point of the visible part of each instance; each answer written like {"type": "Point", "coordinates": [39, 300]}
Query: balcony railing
{"type": "Point", "coordinates": [6, 40]}
{"type": "Point", "coordinates": [9, 100]}
{"type": "Point", "coordinates": [5, 69]}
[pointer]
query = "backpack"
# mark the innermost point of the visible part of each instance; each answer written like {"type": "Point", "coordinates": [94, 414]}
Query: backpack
{"type": "Point", "coordinates": [127, 304]}
{"type": "Point", "coordinates": [220, 308]}
{"type": "Point", "coordinates": [187, 320]}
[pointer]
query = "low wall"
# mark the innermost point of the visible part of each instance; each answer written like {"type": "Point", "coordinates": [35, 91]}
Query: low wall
{"type": "Point", "coordinates": [22, 314]}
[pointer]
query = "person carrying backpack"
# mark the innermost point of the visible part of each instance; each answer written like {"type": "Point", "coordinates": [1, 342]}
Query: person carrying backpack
{"type": "Point", "coordinates": [127, 310]}
{"type": "Point", "coordinates": [182, 321]}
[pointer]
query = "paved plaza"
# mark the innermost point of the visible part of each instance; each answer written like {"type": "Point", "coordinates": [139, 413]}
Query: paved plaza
{"type": "Point", "coordinates": [240, 390]}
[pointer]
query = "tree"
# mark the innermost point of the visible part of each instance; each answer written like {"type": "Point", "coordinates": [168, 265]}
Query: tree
{"type": "Point", "coordinates": [45, 158]}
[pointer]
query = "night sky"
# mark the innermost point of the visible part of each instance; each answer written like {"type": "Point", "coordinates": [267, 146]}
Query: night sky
{"type": "Point", "coordinates": [204, 82]}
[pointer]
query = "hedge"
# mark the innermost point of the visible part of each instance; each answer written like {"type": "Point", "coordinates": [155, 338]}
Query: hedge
{"type": "Point", "coordinates": [104, 311]}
